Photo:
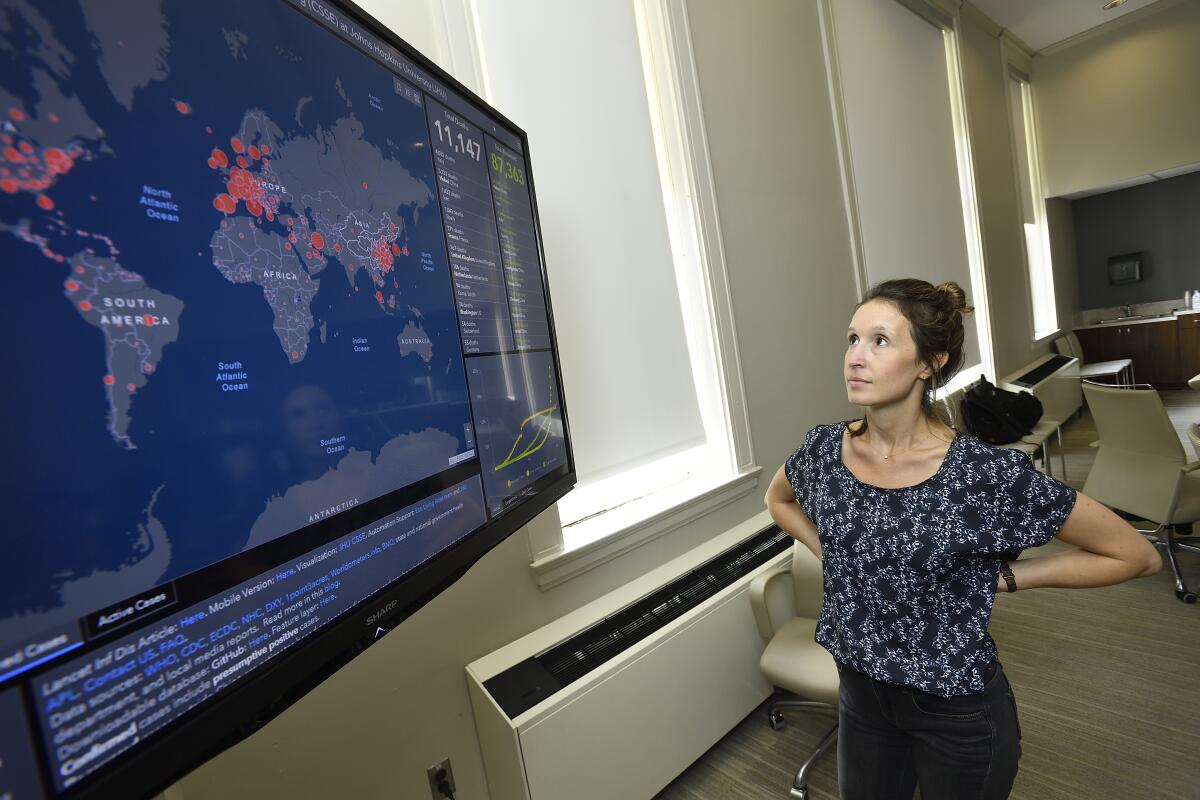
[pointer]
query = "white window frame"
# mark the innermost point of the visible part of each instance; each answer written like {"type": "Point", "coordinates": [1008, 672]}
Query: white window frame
{"type": "Point", "coordinates": [1039, 266]}
{"type": "Point", "coordinates": [972, 228]}
{"type": "Point", "coordinates": [604, 522]}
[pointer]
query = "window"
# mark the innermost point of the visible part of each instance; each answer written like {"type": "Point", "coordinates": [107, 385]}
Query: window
{"type": "Point", "coordinates": [1033, 209]}
{"type": "Point", "coordinates": [634, 263]}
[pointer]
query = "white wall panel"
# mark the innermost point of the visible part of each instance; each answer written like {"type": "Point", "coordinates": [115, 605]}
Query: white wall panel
{"type": "Point", "coordinates": [896, 93]}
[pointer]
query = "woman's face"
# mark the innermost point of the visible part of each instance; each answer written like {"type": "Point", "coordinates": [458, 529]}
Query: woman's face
{"type": "Point", "coordinates": [881, 357]}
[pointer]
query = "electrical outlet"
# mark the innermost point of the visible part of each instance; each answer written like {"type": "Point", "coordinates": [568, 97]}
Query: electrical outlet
{"type": "Point", "coordinates": [437, 773]}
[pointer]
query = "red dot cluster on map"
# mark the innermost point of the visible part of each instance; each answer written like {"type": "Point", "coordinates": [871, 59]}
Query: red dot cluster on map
{"type": "Point", "coordinates": [245, 166]}
{"type": "Point", "coordinates": [381, 250]}
{"type": "Point", "coordinates": [242, 185]}
{"type": "Point", "coordinates": [24, 234]}
{"type": "Point", "coordinates": [381, 254]}
{"type": "Point", "coordinates": [85, 283]}
{"type": "Point", "coordinates": [29, 167]}
{"type": "Point", "coordinates": [310, 245]}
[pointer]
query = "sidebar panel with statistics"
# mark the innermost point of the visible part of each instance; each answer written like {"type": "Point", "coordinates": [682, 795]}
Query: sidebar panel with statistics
{"type": "Point", "coordinates": [471, 241]}
{"type": "Point", "coordinates": [518, 247]}
{"type": "Point", "coordinates": [515, 396]}
{"type": "Point", "coordinates": [497, 274]}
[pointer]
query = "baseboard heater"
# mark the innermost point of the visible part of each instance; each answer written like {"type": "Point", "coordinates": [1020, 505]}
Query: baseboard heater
{"type": "Point", "coordinates": [1053, 379]}
{"type": "Point", "coordinates": [615, 703]}
{"type": "Point", "coordinates": [1039, 373]}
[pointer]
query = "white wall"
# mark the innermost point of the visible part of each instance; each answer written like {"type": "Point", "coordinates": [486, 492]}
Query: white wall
{"type": "Point", "coordinates": [771, 139]}
{"type": "Point", "coordinates": [1121, 104]}
{"type": "Point", "coordinates": [901, 137]}
{"type": "Point", "coordinates": [1157, 219]}
{"type": "Point", "coordinates": [371, 729]}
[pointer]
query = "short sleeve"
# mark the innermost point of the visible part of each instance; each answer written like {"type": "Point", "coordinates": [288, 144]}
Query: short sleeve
{"type": "Point", "coordinates": [1034, 506]}
{"type": "Point", "coordinates": [796, 468]}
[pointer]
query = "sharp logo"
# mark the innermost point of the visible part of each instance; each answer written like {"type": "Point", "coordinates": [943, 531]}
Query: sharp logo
{"type": "Point", "coordinates": [381, 613]}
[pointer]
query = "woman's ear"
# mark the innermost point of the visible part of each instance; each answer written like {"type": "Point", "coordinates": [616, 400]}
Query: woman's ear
{"type": "Point", "coordinates": [941, 359]}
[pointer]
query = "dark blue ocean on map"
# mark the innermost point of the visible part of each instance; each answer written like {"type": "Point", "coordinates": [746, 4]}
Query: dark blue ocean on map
{"type": "Point", "coordinates": [206, 461]}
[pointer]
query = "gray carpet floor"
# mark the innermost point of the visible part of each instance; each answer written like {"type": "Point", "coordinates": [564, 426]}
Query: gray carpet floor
{"type": "Point", "coordinates": [1107, 683]}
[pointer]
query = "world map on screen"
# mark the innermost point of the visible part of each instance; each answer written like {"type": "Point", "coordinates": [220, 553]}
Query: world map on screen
{"type": "Point", "coordinates": [227, 310]}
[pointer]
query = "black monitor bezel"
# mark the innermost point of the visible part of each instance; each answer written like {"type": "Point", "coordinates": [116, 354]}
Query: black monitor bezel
{"type": "Point", "coordinates": [234, 714]}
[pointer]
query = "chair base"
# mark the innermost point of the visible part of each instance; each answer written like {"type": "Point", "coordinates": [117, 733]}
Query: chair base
{"type": "Point", "coordinates": [799, 788]}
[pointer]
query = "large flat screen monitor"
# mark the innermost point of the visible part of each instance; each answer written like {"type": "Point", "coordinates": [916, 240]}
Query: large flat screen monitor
{"type": "Point", "coordinates": [280, 367]}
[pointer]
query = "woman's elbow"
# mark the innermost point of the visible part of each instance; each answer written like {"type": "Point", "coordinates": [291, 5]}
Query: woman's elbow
{"type": "Point", "coordinates": [770, 504]}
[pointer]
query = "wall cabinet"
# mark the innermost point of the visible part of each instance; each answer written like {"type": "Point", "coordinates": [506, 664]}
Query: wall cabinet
{"type": "Point", "coordinates": [1162, 352]}
{"type": "Point", "coordinates": [1189, 347]}
{"type": "Point", "coordinates": [1101, 344]}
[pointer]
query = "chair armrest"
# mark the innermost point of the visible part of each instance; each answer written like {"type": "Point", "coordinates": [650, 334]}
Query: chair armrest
{"type": "Point", "coordinates": [1192, 467]}
{"type": "Point", "coordinates": [758, 598]}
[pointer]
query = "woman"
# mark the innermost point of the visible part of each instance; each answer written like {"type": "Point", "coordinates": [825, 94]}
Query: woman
{"type": "Point", "coordinates": [918, 525]}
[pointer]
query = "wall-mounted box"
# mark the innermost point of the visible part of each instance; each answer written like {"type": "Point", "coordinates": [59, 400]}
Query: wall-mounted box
{"type": "Point", "coordinates": [1124, 269]}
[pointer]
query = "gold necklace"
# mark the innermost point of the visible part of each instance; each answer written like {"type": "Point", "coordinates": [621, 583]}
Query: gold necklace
{"type": "Point", "coordinates": [889, 455]}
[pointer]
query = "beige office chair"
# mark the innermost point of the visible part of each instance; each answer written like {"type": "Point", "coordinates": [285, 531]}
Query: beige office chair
{"type": "Point", "coordinates": [1142, 469]}
{"type": "Point", "coordinates": [787, 603]}
{"type": "Point", "coordinates": [1068, 345]}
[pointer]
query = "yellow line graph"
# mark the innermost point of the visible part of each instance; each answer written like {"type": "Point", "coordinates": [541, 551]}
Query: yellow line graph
{"type": "Point", "coordinates": [537, 440]}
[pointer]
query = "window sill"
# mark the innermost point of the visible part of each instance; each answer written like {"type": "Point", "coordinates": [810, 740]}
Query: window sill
{"type": "Point", "coordinates": [621, 530]}
{"type": "Point", "coordinates": [1045, 339]}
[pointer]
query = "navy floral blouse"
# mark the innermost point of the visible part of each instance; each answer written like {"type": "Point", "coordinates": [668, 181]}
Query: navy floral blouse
{"type": "Point", "coordinates": [910, 573]}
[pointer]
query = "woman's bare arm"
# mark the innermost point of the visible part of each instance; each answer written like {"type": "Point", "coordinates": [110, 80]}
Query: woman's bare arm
{"type": "Point", "coordinates": [1110, 551]}
{"type": "Point", "coordinates": [787, 513]}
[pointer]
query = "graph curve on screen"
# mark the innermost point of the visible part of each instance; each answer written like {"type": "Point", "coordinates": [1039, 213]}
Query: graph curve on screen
{"type": "Point", "coordinates": [544, 419]}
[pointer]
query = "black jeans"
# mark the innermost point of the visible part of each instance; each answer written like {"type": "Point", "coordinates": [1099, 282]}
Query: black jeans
{"type": "Point", "coordinates": [892, 738]}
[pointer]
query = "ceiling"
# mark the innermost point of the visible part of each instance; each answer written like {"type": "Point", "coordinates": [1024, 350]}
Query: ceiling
{"type": "Point", "coordinates": [1138, 181]}
{"type": "Point", "coordinates": [1041, 23]}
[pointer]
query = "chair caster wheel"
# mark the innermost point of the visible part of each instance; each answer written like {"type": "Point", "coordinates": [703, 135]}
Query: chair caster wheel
{"type": "Point", "coordinates": [776, 721]}
{"type": "Point", "coordinates": [1187, 597]}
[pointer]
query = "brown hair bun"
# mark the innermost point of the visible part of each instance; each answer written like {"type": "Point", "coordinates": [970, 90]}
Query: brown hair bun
{"type": "Point", "coordinates": [958, 298]}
